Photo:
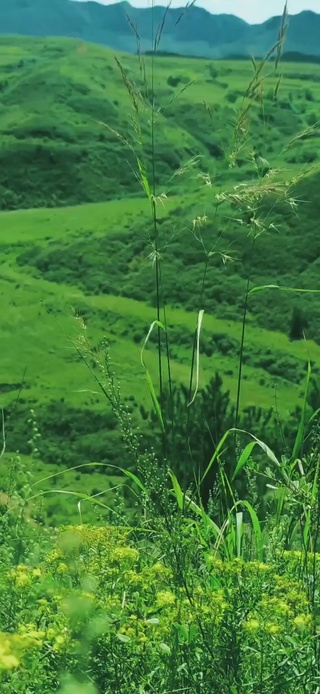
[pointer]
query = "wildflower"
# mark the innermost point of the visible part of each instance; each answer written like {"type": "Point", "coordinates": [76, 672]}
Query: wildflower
{"type": "Point", "coordinates": [133, 577]}
{"type": "Point", "coordinates": [23, 580]}
{"type": "Point", "coordinates": [62, 568]}
{"type": "Point", "coordinates": [142, 638]}
{"type": "Point", "coordinates": [31, 634]}
{"type": "Point", "coordinates": [53, 556]}
{"type": "Point", "coordinates": [7, 660]}
{"type": "Point", "coordinates": [123, 554]}
{"type": "Point", "coordinates": [165, 599]}
{"type": "Point", "coordinates": [260, 566]}
{"type": "Point", "coordinates": [272, 628]}
{"type": "Point", "coordinates": [161, 570]}
{"type": "Point", "coordinates": [37, 573]}
{"type": "Point", "coordinates": [59, 642]}
{"type": "Point", "coordinates": [252, 625]}
{"type": "Point", "coordinates": [130, 632]}
{"type": "Point", "coordinates": [302, 621]}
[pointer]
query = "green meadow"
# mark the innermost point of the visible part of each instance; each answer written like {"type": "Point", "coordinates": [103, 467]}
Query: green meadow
{"type": "Point", "coordinates": [159, 372]}
{"type": "Point", "coordinates": [68, 117]}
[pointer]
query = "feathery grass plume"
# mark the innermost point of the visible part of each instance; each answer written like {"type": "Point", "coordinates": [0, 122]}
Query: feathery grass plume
{"type": "Point", "coordinates": [254, 90]}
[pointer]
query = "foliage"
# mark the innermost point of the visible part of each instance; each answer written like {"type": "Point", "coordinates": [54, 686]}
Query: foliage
{"type": "Point", "coordinates": [102, 606]}
{"type": "Point", "coordinates": [66, 120]}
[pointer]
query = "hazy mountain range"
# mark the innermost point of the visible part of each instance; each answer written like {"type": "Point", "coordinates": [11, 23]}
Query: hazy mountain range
{"type": "Point", "coordinates": [192, 32]}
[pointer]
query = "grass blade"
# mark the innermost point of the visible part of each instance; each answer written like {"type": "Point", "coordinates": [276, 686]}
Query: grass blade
{"type": "Point", "coordinates": [245, 455]}
{"type": "Point", "coordinates": [177, 490]}
{"type": "Point", "coordinates": [301, 429]}
{"type": "Point", "coordinates": [239, 529]}
{"type": "Point", "coordinates": [200, 319]}
{"type": "Point", "coordinates": [148, 377]}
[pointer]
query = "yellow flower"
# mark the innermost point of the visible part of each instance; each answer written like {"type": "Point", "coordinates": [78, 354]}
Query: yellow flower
{"type": "Point", "coordinates": [8, 661]}
{"type": "Point", "coordinates": [30, 633]}
{"type": "Point", "coordinates": [161, 570]}
{"type": "Point", "coordinates": [62, 568]}
{"type": "Point", "coordinates": [36, 573]}
{"type": "Point", "coordinates": [23, 580]}
{"type": "Point", "coordinates": [272, 628]}
{"type": "Point", "coordinates": [302, 621]}
{"type": "Point", "coordinates": [60, 642]}
{"type": "Point", "coordinates": [165, 599]}
{"type": "Point", "coordinates": [252, 625]}
{"type": "Point", "coordinates": [134, 578]}
{"type": "Point", "coordinates": [123, 554]}
{"type": "Point", "coordinates": [53, 556]}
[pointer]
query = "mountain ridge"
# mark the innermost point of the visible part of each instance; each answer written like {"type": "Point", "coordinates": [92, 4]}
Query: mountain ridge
{"type": "Point", "coordinates": [194, 32]}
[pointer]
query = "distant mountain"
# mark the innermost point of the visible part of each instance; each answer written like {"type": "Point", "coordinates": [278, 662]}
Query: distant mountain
{"type": "Point", "coordinates": [188, 32]}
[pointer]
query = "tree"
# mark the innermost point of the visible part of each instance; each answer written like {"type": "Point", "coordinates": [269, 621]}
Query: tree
{"type": "Point", "coordinates": [298, 324]}
{"type": "Point", "coordinates": [194, 431]}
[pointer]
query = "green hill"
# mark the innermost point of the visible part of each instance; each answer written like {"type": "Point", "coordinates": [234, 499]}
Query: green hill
{"type": "Point", "coordinates": [192, 32]}
{"type": "Point", "coordinates": [96, 259]}
{"type": "Point", "coordinates": [55, 93]}
{"type": "Point", "coordinates": [93, 260]}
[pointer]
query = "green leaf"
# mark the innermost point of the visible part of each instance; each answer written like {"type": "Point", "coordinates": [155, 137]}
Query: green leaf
{"type": "Point", "coordinates": [245, 455]}
{"type": "Point", "coordinates": [301, 429]}
{"type": "Point", "coordinates": [123, 638]}
{"type": "Point", "coordinates": [256, 527]}
{"type": "Point", "coordinates": [144, 178]}
{"type": "Point", "coordinates": [165, 648]}
{"type": "Point", "coordinates": [264, 447]}
{"type": "Point", "coordinates": [148, 377]}
{"type": "Point", "coordinates": [216, 453]}
{"type": "Point", "coordinates": [135, 479]}
{"type": "Point", "coordinates": [283, 289]}
{"type": "Point", "coordinates": [200, 319]}
{"type": "Point", "coordinates": [177, 490]}
{"type": "Point", "coordinates": [239, 526]}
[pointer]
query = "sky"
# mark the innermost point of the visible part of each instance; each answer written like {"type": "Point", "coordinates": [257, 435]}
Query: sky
{"type": "Point", "coordinates": [252, 11]}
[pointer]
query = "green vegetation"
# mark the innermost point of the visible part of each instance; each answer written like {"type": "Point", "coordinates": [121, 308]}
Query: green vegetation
{"type": "Point", "coordinates": [159, 380]}
{"type": "Point", "coordinates": [96, 261]}
{"type": "Point", "coordinates": [55, 94]}
{"type": "Point", "coordinates": [146, 629]}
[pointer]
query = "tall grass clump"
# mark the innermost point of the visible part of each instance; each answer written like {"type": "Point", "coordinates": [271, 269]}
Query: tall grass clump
{"type": "Point", "coordinates": [209, 581]}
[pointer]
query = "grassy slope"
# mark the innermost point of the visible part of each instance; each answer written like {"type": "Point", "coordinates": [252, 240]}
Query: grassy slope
{"type": "Point", "coordinates": [32, 339]}
{"type": "Point", "coordinates": [93, 257]}
{"type": "Point", "coordinates": [54, 92]}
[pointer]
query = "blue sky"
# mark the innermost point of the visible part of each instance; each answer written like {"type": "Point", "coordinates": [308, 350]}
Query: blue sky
{"type": "Point", "coordinates": [251, 10]}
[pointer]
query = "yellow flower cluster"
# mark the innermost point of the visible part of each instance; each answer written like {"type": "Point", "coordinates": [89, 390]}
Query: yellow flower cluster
{"type": "Point", "coordinates": [23, 576]}
{"type": "Point", "coordinates": [144, 603]}
{"type": "Point", "coordinates": [165, 599]}
{"type": "Point", "coordinates": [14, 646]}
{"type": "Point", "coordinates": [124, 555]}
{"type": "Point", "coordinates": [8, 659]}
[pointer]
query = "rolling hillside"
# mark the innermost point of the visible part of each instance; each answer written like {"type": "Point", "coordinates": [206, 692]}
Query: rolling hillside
{"type": "Point", "coordinates": [192, 32]}
{"type": "Point", "coordinates": [95, 259]}
{"type": "Point", "coordinates": [92, 261]}
{"type": "Point", "coordinates": [55, 94]}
